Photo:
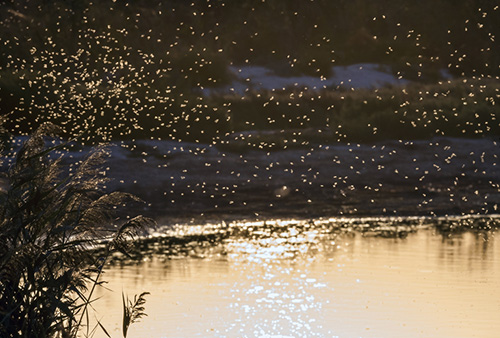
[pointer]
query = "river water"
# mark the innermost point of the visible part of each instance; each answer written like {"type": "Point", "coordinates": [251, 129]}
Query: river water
{"type": "Point", "coordinates": [418, 277]}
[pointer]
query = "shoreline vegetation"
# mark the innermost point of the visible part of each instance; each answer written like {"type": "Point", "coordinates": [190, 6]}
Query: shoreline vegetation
{"type": "Point", "coordinates": [137, 69]}
{"type": "Point", "coordinates": [462, 107]}
{"type": "Point", "coordinates": [51, 219]}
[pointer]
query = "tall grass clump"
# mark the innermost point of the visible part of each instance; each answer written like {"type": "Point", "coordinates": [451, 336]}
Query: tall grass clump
{"type": "Point", "coordinates": [51, 216]}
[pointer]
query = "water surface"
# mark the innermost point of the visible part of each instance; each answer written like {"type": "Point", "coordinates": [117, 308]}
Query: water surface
{"type": "Point", "coordinates": [293, 279]}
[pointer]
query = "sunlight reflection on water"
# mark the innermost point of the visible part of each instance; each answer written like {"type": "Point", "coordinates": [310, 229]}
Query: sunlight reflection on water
{"type": "Point", "coordinates": [314, 279]}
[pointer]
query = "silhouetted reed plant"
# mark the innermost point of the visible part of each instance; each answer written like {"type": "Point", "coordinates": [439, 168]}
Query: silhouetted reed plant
{"type": "Point", "coordinates": [132, 311]}
{"type": "Point", "coordinates": [51, 217]}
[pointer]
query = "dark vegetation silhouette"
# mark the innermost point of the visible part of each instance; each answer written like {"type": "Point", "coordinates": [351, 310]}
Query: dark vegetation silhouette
{"type": "Point", "coordinates": [52, 217]}
{"type": "Point", "coordinates": [135, 69]}
{"type": "Point", "coordinates": [132, 311]}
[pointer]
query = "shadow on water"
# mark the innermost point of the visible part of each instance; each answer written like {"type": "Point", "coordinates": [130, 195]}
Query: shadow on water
{"type": "Point", "coordinates": [351, 277]}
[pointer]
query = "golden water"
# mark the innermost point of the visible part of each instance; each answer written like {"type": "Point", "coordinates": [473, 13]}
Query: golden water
{"type": "Point", "coordinates": [311, 282]}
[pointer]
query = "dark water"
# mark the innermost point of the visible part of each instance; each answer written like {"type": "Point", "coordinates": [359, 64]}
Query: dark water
{"type": "Point", "coordinates": [327, 278]}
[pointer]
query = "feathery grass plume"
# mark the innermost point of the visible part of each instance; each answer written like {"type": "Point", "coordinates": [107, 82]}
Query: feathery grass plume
{"type": "Point", "coordinates": [133, 310]}
{"type": "Point", "coordinates": [50, 218]}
